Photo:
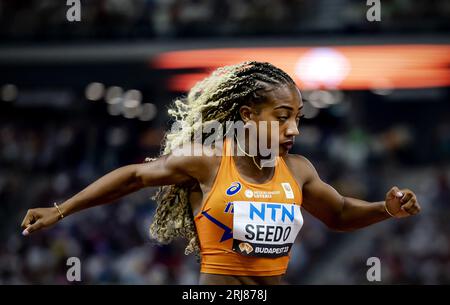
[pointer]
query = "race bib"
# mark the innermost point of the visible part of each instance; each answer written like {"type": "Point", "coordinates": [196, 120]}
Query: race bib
{"type": "Point", "coordinates": [265, 229]}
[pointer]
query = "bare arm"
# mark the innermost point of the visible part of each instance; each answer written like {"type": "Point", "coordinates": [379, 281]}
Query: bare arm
{"type": "Point", "coordinates": [128, 179]}
{"type": "Point", "coordinates": [345, 213]}
{"type": "Point", "coordinates": [166, 170]}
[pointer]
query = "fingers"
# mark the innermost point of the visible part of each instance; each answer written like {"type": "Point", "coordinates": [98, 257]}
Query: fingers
{"type": "Point", "coordinates": [409, 202]}
{"type": "Point", "coordinates": [393, 193]}
{"type": "Point", "coordinates": [412, 207]}
{"type": "Point", "coordinates": [407, 196]}
{"type": "Point", "coordinates": [28, 219]}
{"type": "Point", "coordinates": [31, 228]}
{"type": "Point", "coordinates": [31, 222]}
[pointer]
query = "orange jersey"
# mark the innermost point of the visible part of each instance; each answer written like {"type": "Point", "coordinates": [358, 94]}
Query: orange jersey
{"type": "Point", "coordinates": [246, 228]}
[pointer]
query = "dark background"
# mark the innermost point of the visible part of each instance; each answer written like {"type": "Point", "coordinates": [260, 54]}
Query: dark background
{"type": "Point", "coordinates": [54, 140]}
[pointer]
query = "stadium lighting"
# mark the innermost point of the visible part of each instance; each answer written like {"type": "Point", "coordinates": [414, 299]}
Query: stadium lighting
{"type": "Point", "coordinates": [131, 103]}
{"type": "Point", "coordinates": [94, 91]}
{"type": "Point", "coordinates": [309, 111]}
{"type": "Point", "coordinates": [133, 94]}
{"type": "Point", "coordinates": [149, 112]}
{"type": "Point", "coordinates": [9, 92]}
{"type": "Point", "coordinates": [322, 67]}
{"type": "Point", "coordinates": [112, 93]}
{"type": "Point", "coordinates": [116, 108]}
{"type": "Point", "coordinates": [346, 67]}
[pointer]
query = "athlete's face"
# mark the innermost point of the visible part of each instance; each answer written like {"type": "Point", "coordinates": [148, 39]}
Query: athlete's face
{"type": "Point", "coordinates": [283, 105]}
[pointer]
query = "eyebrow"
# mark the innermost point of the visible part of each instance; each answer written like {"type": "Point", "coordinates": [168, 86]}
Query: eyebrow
{"type": "Point", "coordinates": [287, 107]}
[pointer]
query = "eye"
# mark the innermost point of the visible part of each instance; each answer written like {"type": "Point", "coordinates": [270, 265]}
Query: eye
{"type": "Point", "coordinates": [282, 118]}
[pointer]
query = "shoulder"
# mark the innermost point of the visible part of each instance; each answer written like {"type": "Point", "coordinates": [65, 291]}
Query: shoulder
{"type": "Point", "coordinates": [194, 159]}
{"type": "Point", "coordinates": [300, 166]}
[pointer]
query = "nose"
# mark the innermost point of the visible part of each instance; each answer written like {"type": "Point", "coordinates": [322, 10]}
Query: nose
{"type": "Point", "coordinates": [292, 129]}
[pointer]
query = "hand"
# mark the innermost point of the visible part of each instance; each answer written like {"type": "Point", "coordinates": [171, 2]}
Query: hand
{"type": "Point", "coordinates": [39, 218]}
{"type": "Point", "coordinates": [401, 203]}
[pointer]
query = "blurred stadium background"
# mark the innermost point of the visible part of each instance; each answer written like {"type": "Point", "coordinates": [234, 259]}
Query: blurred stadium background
{"type": "Point", "coordinates": [79, 99]}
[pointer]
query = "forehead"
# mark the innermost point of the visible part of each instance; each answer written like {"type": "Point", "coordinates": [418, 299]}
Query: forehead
{"type": "Point", "coordinates": [284, 95]}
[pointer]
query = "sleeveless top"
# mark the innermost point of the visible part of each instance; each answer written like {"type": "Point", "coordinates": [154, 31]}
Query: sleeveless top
{"type": "Point", "coordinates": [247, 228]}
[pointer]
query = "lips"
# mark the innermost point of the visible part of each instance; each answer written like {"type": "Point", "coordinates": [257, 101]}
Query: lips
{"type": "Point", "coordinates": [288, 145]}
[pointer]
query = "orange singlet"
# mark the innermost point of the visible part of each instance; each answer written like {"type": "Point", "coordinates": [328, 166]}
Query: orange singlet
{"type": "Point", "coordinates": [246, 228]}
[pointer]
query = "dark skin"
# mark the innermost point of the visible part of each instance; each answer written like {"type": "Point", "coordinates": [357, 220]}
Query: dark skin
{"type": "Point", "coordinates": [283, 104]}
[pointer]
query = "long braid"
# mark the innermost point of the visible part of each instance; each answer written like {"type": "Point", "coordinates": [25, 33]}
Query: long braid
{"type": "Point", "coordinates": [217, 97]}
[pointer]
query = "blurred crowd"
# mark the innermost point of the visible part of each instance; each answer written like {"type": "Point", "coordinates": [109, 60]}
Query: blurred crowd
{"type": "Point", "coordinates": [46, 159]}
{"type": "Point", "coordinates": [45, 20]}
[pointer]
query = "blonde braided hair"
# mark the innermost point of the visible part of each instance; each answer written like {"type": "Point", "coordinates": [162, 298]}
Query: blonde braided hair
{"type": "Point", "coordinates": [217, 97]}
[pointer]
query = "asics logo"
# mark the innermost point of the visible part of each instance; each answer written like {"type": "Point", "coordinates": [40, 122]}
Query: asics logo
{"type": "Point", "coordinates": [234, 188]}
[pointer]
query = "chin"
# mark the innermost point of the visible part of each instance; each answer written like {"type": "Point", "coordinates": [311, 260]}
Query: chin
{"type": "Point", "coordinates": [282, 151]}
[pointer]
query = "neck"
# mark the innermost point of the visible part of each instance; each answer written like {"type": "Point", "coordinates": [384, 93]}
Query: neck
{"type": "Point", "coordinates": [241, 151]}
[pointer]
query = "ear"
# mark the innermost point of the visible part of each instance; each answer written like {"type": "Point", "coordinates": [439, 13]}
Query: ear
{"type": "Point", "coordinates": [246, 113]}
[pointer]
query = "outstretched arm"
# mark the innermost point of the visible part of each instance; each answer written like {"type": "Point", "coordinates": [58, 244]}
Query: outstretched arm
{"type": "Point", "coordinates": [344, 213]}
{"type": "Point", "coordinates": [166, 170]}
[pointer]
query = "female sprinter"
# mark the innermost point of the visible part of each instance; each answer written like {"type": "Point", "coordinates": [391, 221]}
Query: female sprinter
{"type": "Point", "coordinates": [240, 217]}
